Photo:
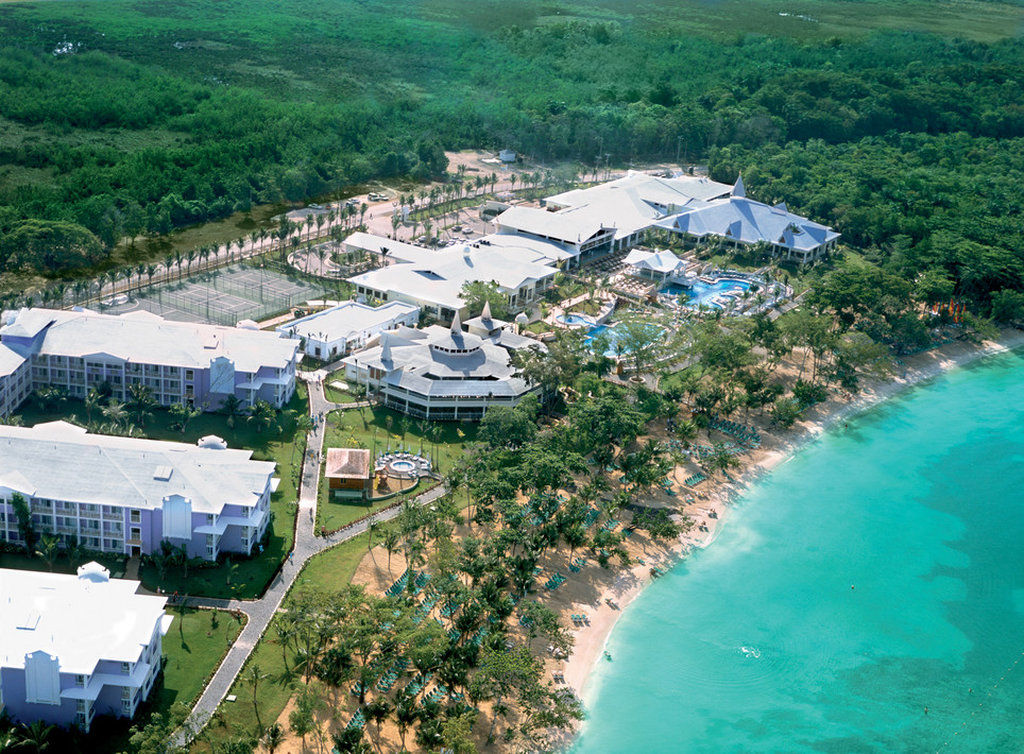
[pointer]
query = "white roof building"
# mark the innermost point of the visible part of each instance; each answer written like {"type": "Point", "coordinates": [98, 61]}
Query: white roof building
{"type": "Point", "coordinates": [339, 329]}
{"type": "Point", "coordinates": [443, 373]}
{"type": "Point", "coordinates": [658, 263]}
{"type": "Point", "coordinates": [65, 639]}
{"type": "Point", "coordinates": [740, 220]}
{"type": "Point", "coordinates": [146, 338]}
{"type": "Point", "coordinates": [613, 215]}
{"type": "Point", "coordinates": [62, 461]}
{"type": "Point", "coordinates": [434, 279]}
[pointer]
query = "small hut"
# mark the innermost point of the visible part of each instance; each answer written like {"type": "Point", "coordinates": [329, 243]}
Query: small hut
{"type": "Point", "coordinates": [348, 472]}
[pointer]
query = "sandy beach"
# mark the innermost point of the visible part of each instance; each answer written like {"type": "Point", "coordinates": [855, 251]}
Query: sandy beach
{"type": "Point", "coordinates": [710, 511]}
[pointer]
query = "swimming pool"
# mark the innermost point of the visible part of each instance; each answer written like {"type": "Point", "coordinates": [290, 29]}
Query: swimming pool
{"type": "Point", "coordinates": [707, 294]}
{"type": "Point", "coordinates": [611, 335]}
{"type": "Point", "coordinates": [575, 319]}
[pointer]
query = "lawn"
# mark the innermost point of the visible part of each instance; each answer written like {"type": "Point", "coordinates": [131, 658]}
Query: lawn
{"type": "Point", "coordinates": [192, 650]}
{"type": "Point", "coordinates": [335, 567]}
{"type": "Point", "coordinates": [245, 578]}
{"type": "Point", "coordinates": [369, 428]}
{"type": "Point", "coordinates": [337, 392]}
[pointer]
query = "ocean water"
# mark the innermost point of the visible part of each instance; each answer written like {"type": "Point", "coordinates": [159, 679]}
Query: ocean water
{"type": "Point", "coordinates": [867, 596]}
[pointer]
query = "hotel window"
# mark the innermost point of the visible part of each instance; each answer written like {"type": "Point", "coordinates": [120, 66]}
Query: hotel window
{"type": "Point", "coordinates": [80, 680]}
{"type": "Point", "coordinates": [189, 374]}
{"type": "Point", "coordinates": [126, 668]}
{"type": "Point", "coordinates": [136, 517]}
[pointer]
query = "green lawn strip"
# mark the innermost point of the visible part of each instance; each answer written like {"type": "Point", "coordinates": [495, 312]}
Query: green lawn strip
{"type": "Point", "coordinates": [346, 429]}
{"type": "Point", "coordinates": [333, 568]}
{"type": "Point", "coordinates": [192, 651]}
{"type": "Point", "coordinates": [245, 578]}
{"type": "Point", "coordinates": [337, 395]}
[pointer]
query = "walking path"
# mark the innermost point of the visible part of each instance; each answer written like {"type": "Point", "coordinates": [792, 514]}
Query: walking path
{"type": "Point", "coordinates": [307, 544]}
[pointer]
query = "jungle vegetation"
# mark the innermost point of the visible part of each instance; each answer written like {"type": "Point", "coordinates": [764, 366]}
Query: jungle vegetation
{"type": "Point", "coordinates": [896, 121]}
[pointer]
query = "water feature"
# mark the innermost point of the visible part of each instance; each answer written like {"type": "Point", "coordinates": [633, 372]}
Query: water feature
{"type": "Point", "coordinates": [868, 596]}
{"type": "Point", "coordinates": [611, 335]}
{"type": "Point", "coordinates": [575, 319]}
{"type": "Point", "coordinates": [707, 294]}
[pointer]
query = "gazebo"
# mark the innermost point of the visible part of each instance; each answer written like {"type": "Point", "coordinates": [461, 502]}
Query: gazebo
{"type": "Point", "coordinates": [348, 472]}
{"type": "Point", "coordinates": [654, 264]}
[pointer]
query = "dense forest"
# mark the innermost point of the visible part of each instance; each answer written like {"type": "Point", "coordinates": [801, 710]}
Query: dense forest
{"type": "Point", "coordinates": [129, 117]}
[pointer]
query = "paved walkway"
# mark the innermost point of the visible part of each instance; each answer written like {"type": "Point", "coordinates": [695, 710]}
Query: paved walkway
{"type": "Point", "coordinates": [307, 544]}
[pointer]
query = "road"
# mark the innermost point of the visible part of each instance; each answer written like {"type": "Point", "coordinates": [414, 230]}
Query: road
{"type": "Point", "coordinates": [307, 544]}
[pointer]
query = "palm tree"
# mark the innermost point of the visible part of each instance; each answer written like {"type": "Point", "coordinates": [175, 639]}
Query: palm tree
{"type": "Point", "coordinates": [140, 402]}
{"type": "Point", "coordinates": [253, 676]}
{"type": "Point", "coordinates": [391, 544]}
{"type": "Point", "coordinates": [115, 412]}
{"type": "Point", "coordinates": [262, 414]}
{"type": "Point", "coordinates": [273, 737]}
{"type": "Point", "coordinates": [36, 737]}
{"type": "Point", "coordinates": [48, 547]}
{"type": "Point", "coordinates": [92, 402]}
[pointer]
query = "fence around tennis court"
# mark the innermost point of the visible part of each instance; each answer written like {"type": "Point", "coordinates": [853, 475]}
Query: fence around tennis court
{"type": "Point", "coordinates": [225, 296]}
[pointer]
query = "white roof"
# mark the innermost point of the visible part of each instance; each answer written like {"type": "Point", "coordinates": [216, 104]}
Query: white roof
{"type": "Point", "coordinates": [348, 320]}
{"type": "Point", "coordinates": [61, 461]}
{"type": "Point", "coordinates": [438, 276]}
{"type": "Point", "coordinates": [664, 262]}
{"type": "Point", "coordinates": [80, 620]}
{"type": "Point", "coordinates": [146, 338]}
{"type": "Point", "coordinates": [629, 204]}
{"type": "Point", "coordinates": [9, 361]}
{"type": "Point", "coordinates": [567, 226]}
{"type": "Point", "coordinates": [749, 221]}
{"type": "Point", "coordinates": [422, 361]}
{"type": "Point", "coordinates": [663, 192]}
{"type": "Point", "coordinates": [395, 249]}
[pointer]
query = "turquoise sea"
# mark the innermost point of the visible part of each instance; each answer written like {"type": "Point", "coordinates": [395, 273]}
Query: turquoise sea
{"type": "Point", "coordinates": [867, 596]}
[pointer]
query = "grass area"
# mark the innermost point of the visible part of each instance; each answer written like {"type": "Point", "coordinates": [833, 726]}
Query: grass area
{"type": "Point", "coordinates": [333, 568]}
{"type": "Point", "coordinates": [368, 428]}
{"type": "Point", "coordinates": [244, 578]}
{"type": "Point", "coordinates": [192, 650]}
{"type": "Point", "coordinates": [337, 394]}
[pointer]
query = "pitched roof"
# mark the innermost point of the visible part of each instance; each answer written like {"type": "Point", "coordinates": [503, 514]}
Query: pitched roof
{"type": "Point", "coordinates": [142, 337]}
{"type": "Point", "coordinates": [61, 461]}
{"type": "Point", "coordinates": [748, 221]}
{"type": "Point", "coordinates": [77, 619]}
{"type": "Point", "coordinates": [348, 463]}
{"type": "Point", "coordinates": [10, 361]}
{"type": "Point", "coordinates": [348, 320]}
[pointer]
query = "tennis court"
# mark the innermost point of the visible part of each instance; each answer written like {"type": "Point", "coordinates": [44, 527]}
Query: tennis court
{"type": "Point", "coordinates": [223, 297]}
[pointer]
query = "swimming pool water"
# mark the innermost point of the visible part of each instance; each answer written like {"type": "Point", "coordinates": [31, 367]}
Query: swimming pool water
{"type": "Point", "coordinates": [702, 293]}
{"type": "Point", "coordinates": [611, 334]}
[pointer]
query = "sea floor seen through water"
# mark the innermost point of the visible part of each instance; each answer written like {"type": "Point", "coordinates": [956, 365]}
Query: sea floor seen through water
{"type": "Point", "coordinates": [867, 596]}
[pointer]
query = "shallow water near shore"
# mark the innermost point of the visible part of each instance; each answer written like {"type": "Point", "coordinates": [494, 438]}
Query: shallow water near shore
{"type": "Point", "coordinates": [867, 596]}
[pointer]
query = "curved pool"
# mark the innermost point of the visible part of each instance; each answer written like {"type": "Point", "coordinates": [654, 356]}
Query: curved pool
{"type": "Point", "coordinates": [707, 294]}
{"type": "Point", "coordinates": [574, 320]}
{"type": "Point", "coordinates": [612, 335]}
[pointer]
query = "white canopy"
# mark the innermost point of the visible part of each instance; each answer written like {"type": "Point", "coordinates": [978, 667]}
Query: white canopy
{"type": "Point", "coordinates": [662, 262]}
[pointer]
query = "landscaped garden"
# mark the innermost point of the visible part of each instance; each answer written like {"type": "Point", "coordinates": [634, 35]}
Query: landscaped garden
{"type": "Point", "coordinates": [381, 429]}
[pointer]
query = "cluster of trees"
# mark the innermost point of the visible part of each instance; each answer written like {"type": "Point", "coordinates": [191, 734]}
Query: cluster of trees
{"type": "Point", "coordinates": [938, 215]}
{"type": "Point", "coordinates": [194, 136]}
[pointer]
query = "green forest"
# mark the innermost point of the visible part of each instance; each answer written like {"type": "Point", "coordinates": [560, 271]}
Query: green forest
{"type": "Point", "coordinates": [897, 121]}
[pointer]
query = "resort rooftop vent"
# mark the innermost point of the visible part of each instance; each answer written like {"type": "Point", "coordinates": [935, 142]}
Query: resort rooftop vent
{"type": "Point", "coordinates": [163, 473]}
{"type": "Point", "coordinates": [93, 571]}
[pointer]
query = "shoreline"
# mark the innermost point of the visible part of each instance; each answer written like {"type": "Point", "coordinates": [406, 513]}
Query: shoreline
{"type": "Point", "coordinates": [711, 507]}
